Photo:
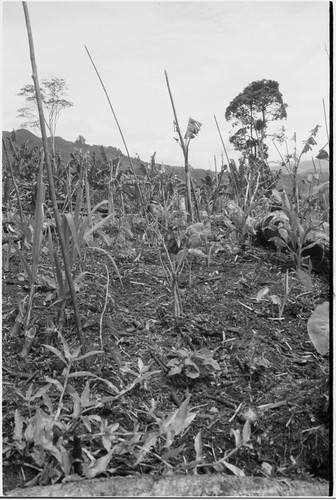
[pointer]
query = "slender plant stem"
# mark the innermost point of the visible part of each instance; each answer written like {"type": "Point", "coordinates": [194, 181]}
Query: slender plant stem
{"type": "Point", "coordinates": [216, 173]}
{"type": "Point", "coordinates": [50, 178]}
{"type": "Point", "coordinates": [221, 138]}
{"type": "Point", "coordinates": [227, 156]}
{"type": "Point", "coordinates": [59, 408]}
{"type": "Point", "coordinates": [185, 147]}
{"type": "Point", "coordinates": [196, 202]}
{"type": "Point", "coordinates": [103, 312]}
{"type": "Point", "coordinates": [119, 128]}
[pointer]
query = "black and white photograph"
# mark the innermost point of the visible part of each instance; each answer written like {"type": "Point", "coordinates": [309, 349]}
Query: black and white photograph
{"type": "Point", "coordinates": [166, 270]}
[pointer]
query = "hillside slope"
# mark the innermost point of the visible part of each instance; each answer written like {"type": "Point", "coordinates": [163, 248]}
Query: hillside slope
{"type": "Point", "coordinates": [65, 148]}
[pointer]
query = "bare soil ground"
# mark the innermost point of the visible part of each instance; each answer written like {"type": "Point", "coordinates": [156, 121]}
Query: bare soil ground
{"type": "Point", "coordinates": [266, 365]}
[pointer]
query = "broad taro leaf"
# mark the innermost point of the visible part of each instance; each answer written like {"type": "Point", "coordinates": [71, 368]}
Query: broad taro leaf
{"type": "Point", "coordinates": [318, 328]}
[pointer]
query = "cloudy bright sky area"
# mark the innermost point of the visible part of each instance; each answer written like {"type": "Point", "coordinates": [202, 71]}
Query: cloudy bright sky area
{"type": "Point", "coordinates": [211, 51]}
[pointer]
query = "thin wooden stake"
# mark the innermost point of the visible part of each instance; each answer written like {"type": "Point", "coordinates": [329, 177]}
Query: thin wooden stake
{"type": "Point", "coordinates": [50, 178]}
{"type": "Point", "coordinates": [119, 128]}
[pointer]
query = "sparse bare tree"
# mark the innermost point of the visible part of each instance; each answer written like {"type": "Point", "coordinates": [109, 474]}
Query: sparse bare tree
{"type": "Point", "coordinates": [53, 94]}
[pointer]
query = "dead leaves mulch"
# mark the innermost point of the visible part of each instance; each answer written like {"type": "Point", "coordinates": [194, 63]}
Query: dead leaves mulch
{"type": "Point", "coordinates": [266, 365]}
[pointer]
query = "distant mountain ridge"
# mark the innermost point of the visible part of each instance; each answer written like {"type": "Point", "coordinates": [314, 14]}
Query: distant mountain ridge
{"type": "Point", "coordinates": [65, 148]}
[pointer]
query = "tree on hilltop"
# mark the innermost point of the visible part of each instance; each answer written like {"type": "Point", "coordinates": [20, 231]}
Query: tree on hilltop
{"type": "Point", "coordinates": [259, 103]}
{"type": "Point", "coordinates": [53, 94]}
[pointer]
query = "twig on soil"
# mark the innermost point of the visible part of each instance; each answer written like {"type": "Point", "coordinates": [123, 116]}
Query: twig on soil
{"type": "Point", "coordinates": [235, 413]}
{"type": "Point", "coordinates": [160, 363]}
{"type": "Point", "coordinates": [312, 429]}
{"type": "Point", "coordinates": [223, 401]}
{"type": "Point", "coordinates": [32, 376]}
{"type": "Point", "coordinates": [270, 406]}
{"type": "Point", "coordinates": [142, 284]}
{"type": "Point", "coordinates": [246, 307]}
{"type": "Point", "coordinates": [175, 399]}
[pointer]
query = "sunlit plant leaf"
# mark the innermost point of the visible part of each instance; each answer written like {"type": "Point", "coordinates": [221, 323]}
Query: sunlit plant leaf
{"type": "Point", "coordinates": [198, 446]}
{"type": "Point", "coordinates": [236, 434]}
{"type": "Point", "coordinates": [264, 291]}
{"type": "Point", "coordinates": [56, 352]}
{"type": "Point", "coordinates": [98, 466]}
{"type": "Point", "coordinates": [237, 472]}
{"type": "Point", "coordinates": [318, 328]}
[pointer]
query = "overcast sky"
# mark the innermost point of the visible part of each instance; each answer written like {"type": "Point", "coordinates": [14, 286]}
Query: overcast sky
{"type": "Point", "coordinates": [211, 51]}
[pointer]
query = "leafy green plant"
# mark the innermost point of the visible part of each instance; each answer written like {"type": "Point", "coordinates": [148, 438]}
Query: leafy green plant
{"type": "Point", "coordinates": [142, 373]}
{"type": "Point", "coordinates": [192, 364]}
{"type": "Point", "coordinates": [293, 235]}
{"type": "Point", "coordinates": [52, 438]}
{"type": "Point", "coordinates": [174, 424]}
{"type": "Point", "coordinates": [275, 299]}
{"type": "Point", "coordinates": [317, 199]}
{"type": "Point", "coordinates": [240, 218]}
{"type": "Point", "coordinates": [192, 130]}
{"type": "Point", "coordinates": [65, 437]}
{"type": "Point", "coordinates": [242, 438]}
{"type": "Point", "coordinates": [34, 237]}
{"type": "Point", "coordinates": [195, 237]}
{"type": "Point", "coordinates": [44, 436]}
{"type": "Point", "coordinates": [292, 161]}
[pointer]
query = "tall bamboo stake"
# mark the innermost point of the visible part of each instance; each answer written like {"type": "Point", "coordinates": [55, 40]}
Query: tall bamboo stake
{"type": "Point", "coordinates": [185, 154]}
{"type": "Point", "coordinates": [119, 128]}
{"type": "Point", "coordinates": [50, 178]}
{"type": "Point", "coordinates": [216, 172]}
{"type": "Point", "coordinates": [227, 157]}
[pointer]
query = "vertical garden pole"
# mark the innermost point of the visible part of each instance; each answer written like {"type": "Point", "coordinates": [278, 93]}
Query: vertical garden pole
{"type": "Point", "coordinates": [51, 180]}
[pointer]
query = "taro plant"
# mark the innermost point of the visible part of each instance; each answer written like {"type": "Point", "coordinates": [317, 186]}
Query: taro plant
{"type": "Point", "coordinates": [319, 328]}
{"type": "Point", "coordinates": [292, 235]}
{"type": "Point", "coordinates": [192, 364]}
